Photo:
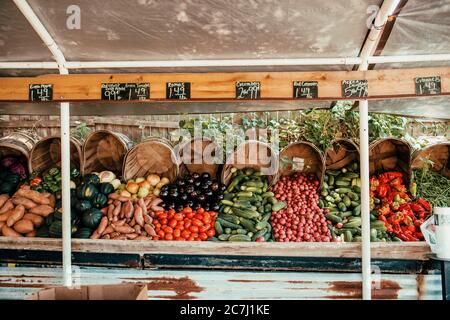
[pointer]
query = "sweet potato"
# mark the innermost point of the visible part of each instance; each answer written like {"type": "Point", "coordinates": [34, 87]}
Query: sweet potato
{"type": "Point", "coordinates": [106, 236]}
{"type": "Point", "coordinates": [23, 226]}
{"type": "Point", "coordinates": [108, 229]}
{"type": "Point", "coordinates": [132, 236]}
{"type": "Point", "coordinates": [42, 210]}
{"type": "Point", "coordinates": [133, 222]}
{"type": "Point", "coordinates": [3, 199]}
{"type": "Point", "coordinates": [2, 223]}
{"type": "Point", "coordinates": [36, 219]}
{"type": "Point", "coordinates": [4, 217]}
{"type": "Point", "coordinates": [148, 219]}
{"type": "Point", "coordinates": [52, 199]}
{"type": "Point", "coordinates": [114, 196]}
{"type": "Point", "coordinates": [128, 209]}
{"type": "Point", "coordinates": [141, 203]}
{"type": "Point", "coordinates": [114, 234]}
{"type": "Point", "coordinates": [8, 205]}
{"type": "Point", "coordinates": [34, 196]}
{"type": "Point", "coordinates": [149, 229]}
{"type": "Point", "coordinates": [139, 215]}
{"type": "Point", "coordinates": [110, 212]}
{"type": "Point", "coordinates": [95, 235]}
{"type": "Point", "coordinates": [117, 209]}
{"type": "Point", "coordinates": [104, 210]}
{"type": "Point", "coordinates": [9, 232]}
{"type": "Point", "coordinates": [123, 229]}
{"type": "Point", "coordinates": [120, 222]}
{"type": "Point", "coordinates": [31, 234]}
{"type": "Point", "coordinates": [27, 203]}
{"type": "Point", "coordinates": [143, 238]}
{"type": "Point", "coordinates": [138, 229]}
{"type": "Point", "coordinates": [102, 225]}
{"type": "Point", "coordinates": [120, 237]}
{"type": "Point", "coordinates": [16, 215]}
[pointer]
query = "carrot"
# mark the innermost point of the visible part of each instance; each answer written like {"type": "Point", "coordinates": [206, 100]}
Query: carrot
{"type": "Point", "coordinates": [34, 196]}
{"type": "Point", "coordinates": [8, 205]}
{"type": "Point", "coordinates": [139, 215]}
{"type": "Point", "coordinates": [23, 226]}
{"type": "Point", "coordinates": [43, 210]}
{"type": "Point", "coordinates": [3, 199]}
{"type": "Point", "coordinates": [27, 203]}
{"type": "Point", "coordinates": [16, 215]}
{"type": "Point", "coordinates": [9, 232]}
{"type": "Point", "coordinates": [102, 225]}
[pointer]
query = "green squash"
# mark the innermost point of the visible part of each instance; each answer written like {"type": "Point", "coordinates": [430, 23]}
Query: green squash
{"type": "Point", "coordinates": [83, 233]}
{"type": "Point", "coordinates": [42, 232]}
{"type": "Point", "coordinates": [91, 218]}
{"type": "Point", "coordinates": [82, 205]}
{"type": "Point", "coordinates": [99, 201]}
{"type": "Point", "coordinates": [86, 191]}
{"type": "Point", "coordinates": [73, 215]}
{"type": "Point", "coordinates": [49, 219]}
{"type": "Point", "coordinates": [106, 188]}
{"type": "Point", "coordinates": [55, 229]}
{"type": "Point", "coordinates": [91, 178]}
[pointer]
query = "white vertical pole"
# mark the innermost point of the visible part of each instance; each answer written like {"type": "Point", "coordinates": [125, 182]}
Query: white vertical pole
{"type": "Point", "coordinates": [365, 198]}
{"type": "Point", "coordinates": [65, 192]}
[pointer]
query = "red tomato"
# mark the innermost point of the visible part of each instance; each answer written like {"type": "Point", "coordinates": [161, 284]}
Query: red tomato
{"type": "Point", "coordinates": [178, 217]}
{"type": "Point", "coordinates": [211, 233]}
{"type": "Point", "coordinates": [193, 228]}
{"type": "Point", "coordinates": [187, 210]}
{"type": "Point", "coordinates": [163, 215]}
{"type": "Point", "coordinates": [197, 222]}
{"type": "Point", "coordinates": [168, 230]}
{"type": "Point", "coordinates": [161, 234]}
{"type": "Point", "coordinates": [171, 211]}
{"type": "Point", "coordinates": [173, 223]}
{"type": "Point", "coordinates": [204, 228]}
{"type": "Point", "coordinates": [190, 215]}
{"type": "Point", "coordinates": [203, 236]}
{"type": "Point", "coordinates": [191, 238]}
{"type": "Point", "coordinates": [199, 216]}
{"type": "Point", "coordinates": [200, 210]}
{"type": "Point", "coordinates": [206, 220]}
{"type": "Point", "coordinates": [176, 233]}
{"type": "Point", "coordinates": [206, 215]}
{"type": "Point", "coordinates": [195, 235]}
{"type": "Point", "coordinates": [185, 234]}
{"type": "Point", "coordinates": [187, 223]}
{"type": "Point", "coordinates": [168, 236]}
{"type": "Point", "coordinates": [180, 239]}
{"type": "Point", "coordinates": [170, 216]}
{"type": "Point", "coordinates": [155, 238]}
{"type": "Point", "coordinates": [163, 221]}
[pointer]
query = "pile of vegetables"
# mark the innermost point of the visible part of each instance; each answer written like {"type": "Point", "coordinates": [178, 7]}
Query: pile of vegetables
{"type": "Point", "coordinates": [50, 180]}
{"type": "Point", "coordinates": [185, 225]}
{"type": "Point", "coordinates": [302, 219]}
{"type": "Point", "coordinates": [194, 191]}
{"type": "Point", "coordinates": [394, 216]}
{"type": "Point", "coordinates": [246, 208]}
{"type": "Point", "coordinates": [127, 219]}
{"type": "Point", "coordinates": [142, 187]}
{"type": "Point", "coordinates": [23, 213]}
{"type": "Point", "coordinates": [340, 198]}
{"type": "Point", "coordinates": [13, 169]}
{"type": "Point", "coordinates": [432, 186]}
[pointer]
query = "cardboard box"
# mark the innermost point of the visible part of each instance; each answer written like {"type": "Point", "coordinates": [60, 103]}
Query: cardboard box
{"type": "Point", "coordinates": [129, 291]}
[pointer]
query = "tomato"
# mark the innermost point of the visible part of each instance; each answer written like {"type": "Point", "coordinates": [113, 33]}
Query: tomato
{"type": "Point", "coordinates": [168, 236]}
{"type": "Point", "coordinates": [199, 216]}
{"type": "Point", "coordinates": [211, 233]}
{"type": "Point", "coordinates": [178, 217]}
{"type": "Point", "coordinates": [173, 223]}
{"type": "Point", "coordinates": [176, 233]}
{"type": "Point", "coordinates": [180, 227]}
{"type": "Point", "coordinates": [168, 230]}
{"type": "Point", "coordinates": [191, 238]}
{"type": "Point", "coordinates": [204, 228]}
{"type": "Point", "coordinates": [187, 210]}
{"type": "Point", "coordinates": [161, 234]}
{"type": "Point", "coordinates": [200, 210]}
{"type": "Point", "coordinates": [155, 238]}
{"type": "Point", "coordinates": [185, 234]}
{"type": "Point", "coordinates": [162, 215]}
{"type": "Point", "coordinates": [206, 215]}
{"type": "Point", "coordinates": [197, 222]}
{"type": "Point", "coordinates": [171, 211]}
{"type": "Point", "coordinates": [170, 216]}
{"type": "Point", "coordinates": [206, 220]}
{"type": "Point", "coordinates": [203, 236]}
{"type": "Point", "coordinates": [193, 228]}
{"type": "Point", "coordinates": [179, 239]}
{"type": "Point", "coordinates": [190, 215]}
{"type": "Point", "coordinates": [187, 223]}
{"type": "Point", "coordinates": [212, 214]}
{"type": "Point", "coordinates": [163, 221]}
{"type": "Point", "coordinates": [195, 235]}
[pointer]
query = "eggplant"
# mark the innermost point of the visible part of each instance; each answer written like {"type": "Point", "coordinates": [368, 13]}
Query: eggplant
{"type": "Point", "coordinates": [206, 176]}
{"type": "Point", "coordinates": [201, 197]}
{"type": "Point", "coordinates": [189, 203]}
{"type": "Point", "coordinates": [215, 207]}
{"type": "Point", "coordinates": [164, 188]}
{"type": "Point", "coordinates": [194, 194]}
{"type": "Point", "coordinates": [181, 182]}
{"type": "Point", "coordinates": [195, 175]}
{"type": "Point", "coordinates": [208, 193]}
{"type": "Point", "coordinates": [215, 186]}
{"type": "Point", "coordinates": [204, 186]}
{"type": "Point", "coordinates": [183, 196]}
{"type": "Point", "coordinates": [219, 196]}
{"type": "Point", "coordinates": [173, 194]}
{"type": "Point", "coordinates": [222, 187]}
{"type": "Point", "coordinates": [197, 183]}
{"type": "Point", "coordinates": [196, 205]}
{"type": "Point", "coordinates": [164, 194]}
{"type": "Point", "coordinates": [179, 207]}
{"type": "Point", "coordinates": [189, 188]}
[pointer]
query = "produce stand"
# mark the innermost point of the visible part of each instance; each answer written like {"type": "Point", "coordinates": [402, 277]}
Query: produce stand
{"type": "Point", "coordinates": [405, 269]}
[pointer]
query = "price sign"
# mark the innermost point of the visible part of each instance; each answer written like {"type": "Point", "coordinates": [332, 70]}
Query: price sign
{"type": "Point", "coordinates": [428, 85]}
{"type": "Point", "coordinates": [355, 88]}
{"type": "Point", "coordinates": [40, 92]}
{"type": "Point", "coordinates": [248, 90]}
{"type": "Point", "coordinates": [125, 91]}
{"type": "Point", "coordinates": [306, 89]}
{"type": "Point", "coordinates": [178, 90]}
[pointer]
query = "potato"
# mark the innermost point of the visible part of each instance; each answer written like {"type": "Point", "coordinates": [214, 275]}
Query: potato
{"type": "Point", "coordinates": [36, 219]}
{"type": "Point", "coordinates": [23, 226]}
{"type": "Point", "coordinates": [9, 232]}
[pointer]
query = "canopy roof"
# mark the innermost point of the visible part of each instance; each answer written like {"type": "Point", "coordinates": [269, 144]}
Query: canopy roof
{"type": "Point", "coordinates": [153, 30]}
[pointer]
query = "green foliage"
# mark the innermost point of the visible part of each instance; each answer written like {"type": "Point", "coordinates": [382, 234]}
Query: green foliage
{"type": "Point", "coordinates": [81, 131]}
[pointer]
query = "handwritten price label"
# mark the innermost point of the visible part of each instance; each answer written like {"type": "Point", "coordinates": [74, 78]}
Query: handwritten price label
{"type": "Point", "coordinates": [248, 90]}
{"type": "Point", "coordinates": [355, 88]}
{"type": "Point", "coordinates": [178, 90]}
{"type": "Point", "coordinates": [125, 91]}
{"type": "Point", "coordinates": [428, 85]}
{"type": "Point", "coordinates": [40, 92]}
{"type": "Point", "coordinates": [306, 90]}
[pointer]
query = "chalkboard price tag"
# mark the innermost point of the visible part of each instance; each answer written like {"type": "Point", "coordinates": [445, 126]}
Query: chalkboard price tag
{"type": "Point", "coordinates": [178, 90]}
{"type": "Point", "coordinates": [355, 88]}
{"type": "Point", "coordinates": [428, 85]}
{"type": "Point", "coordinates": [306, 90]}
{"type": "Point", "coordinates": [248, 90]}
{"type": "Point", "coordinates": [40, 92]}
{"type": "Point", "coordinates": [125, 91]}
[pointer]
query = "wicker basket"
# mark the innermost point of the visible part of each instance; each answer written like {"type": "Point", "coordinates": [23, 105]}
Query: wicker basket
{"type": "Point", "coordinates": [438, 153]}
{"type": "Point", "coordinates": [105, 150]}
{"type": "Point", "coordinates": [16, 144]}
{"type": "Point", "coordinates": [198, 148]}
{"type": "Point", "coordinates": [303, 157]}
{"type": "Point", "coordinates": [252, 154]}
{"type": "Point", "coordinates": [342, 153]}
{"type": "Point", "coordinates": [390, 154]}
{"type": "Point", "coordinates": [150, 156]}
{"type": "Point", "coordinates": [46, 153]}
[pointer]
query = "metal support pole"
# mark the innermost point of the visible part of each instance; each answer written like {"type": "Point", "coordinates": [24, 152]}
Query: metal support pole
{"type": "Point", "coordinates": [365, 198]}
{"type": "Point", "coordinates": [65, 192]}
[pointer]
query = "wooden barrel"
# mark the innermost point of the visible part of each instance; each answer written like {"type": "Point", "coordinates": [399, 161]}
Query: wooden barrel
{"type": "Point", "coordinates": [47, 153]}
{"type": "Point", "coordinates": [303, 157]}
{"type": "Point", "coordinates": [390, 154]}
{"type": "Point", "coordinates": [438, 153]}
{"type": "Point", "coordinates": [105, 150]}
{"type": "Point", "coordinates": [198, 155]}
{"type": "Point", "coordinates": [341, 153]}
{"type": "Point", "coordinates": [252, 154]}
{"type": "Point", "coordinates": [150, 156]}
{"type": "Point", "coordinates": [16, 144]}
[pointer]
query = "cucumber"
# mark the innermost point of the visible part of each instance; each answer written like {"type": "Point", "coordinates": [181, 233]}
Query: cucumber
{"type": "Point", "coordinates": [324, 193]}
{"type": "Point", "coordinates": [321, 203]}
{"type": "Point", "coordinates": [268, 194]}
{"type": "Point", "coordinates": [261, 225]}
{"type": "Point", "coordinates": [227, 230]}
{"type": "Point", "coordinates": [346, 200]}
{"type": "Point", "coordinates": [266, 217]}
{"type": "Point", "coordinates": [356, 189]}
{"type": "Point", "coordinates": [265, 186]}
{"type": "Point", "coordinates": [346, 214]}
{"type": "Point", "coordinates": [354, 223]}
{"type": "Point", "coordinates": [224, 237]}
{"type": "Point", "coordinates": [344, 170]}
{"type": "Point", "coordinates": [373, 234]}
{"type": "Point", "coordinates": [227, 202]}
{"type": "Point", "coordinates": [241, 231]}
{"type": "Point", "coordinates": [234, 231]}
{"type": "Point", "coordinates": [229, 217]}
{"type": "Point", "coordinates": [354, 204]}
{"type": "Point", "coordinates": [333, 218]}
{"type": "Point", "coordinates": [351, 175]}
{"type": "Point", "coordinates": [249, 171]}
{"type": "Point", "coordinates": [332, 173]}
{"type": "Point", "coordinates": [278, 206]}
{"type": "Point", "coordinates": [378, 225]}
{"type": "Point", "coordinates": [261, 209]}
{"type": "Point", "coordinates": [242, 205]}
{"type": "Point", "coordinates": [342, 183]}
{"type": "Point", "coordinates": [239, 237]}
{"type": "Point", "coordinates": [272, 200]}
{"type": "Point", "coordinates": [329, 199]}
{"type": "Point", "coordinates": [343, 190]}
{"type": "Point", "coordinates": [373, 217]}
{"type": "Point", "coordinates": [353, 196]}
{"type": "Point", "coordinates": [332, 209]}
{"type": "Point", "coordinates": [260, 233]}
{"type": "Point", "coordinates": [250, 234]}
{"type": "Point", "coordinates": [325, 185]}
{"type": "Point", "coordinates": [268, 208]}
{"type": "Point", "coordinates": [376, 200]}
{"type": "Point", "coordinates": [244, 194]}
{"type": "Point", "coordinates": [227, 209]}
{"type": "Point", "coordinates": [357, 239]}
{"type": "Point", "coordinates": [268, 236]}
{"type": "Point", "coordinates": [342, 207]}
{"type": "Point", "coordinates": [218, 227]}
{"type": "Point", "coordinates": [254, 189]}
{"type": "Point", "coordinates": [331, 181]}
{"type": "Point", "coordinates": [357, 210]}
{"type": "Point", "coordinates": [228, 224]}
{"type": "Point", "coordinates": [245, 213]}
{"type": "Point", "coordinates": [248, 225]}
{"type": "Point", "coordinates": [348, 237]}
{"type": "Point", "coordinates": [255, 184]}
{"type": "Point", "coordinates": [235, 182]}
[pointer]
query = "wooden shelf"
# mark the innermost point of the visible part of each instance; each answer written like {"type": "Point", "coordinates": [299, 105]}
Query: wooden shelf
{"type": "Point", "coordinates": [400, 251]}
{"type": "Point", "coordinates": [391, 83]}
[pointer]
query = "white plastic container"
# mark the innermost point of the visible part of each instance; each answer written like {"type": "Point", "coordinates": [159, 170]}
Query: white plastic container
{"type": "Point", "coordinates": [442, 230]}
